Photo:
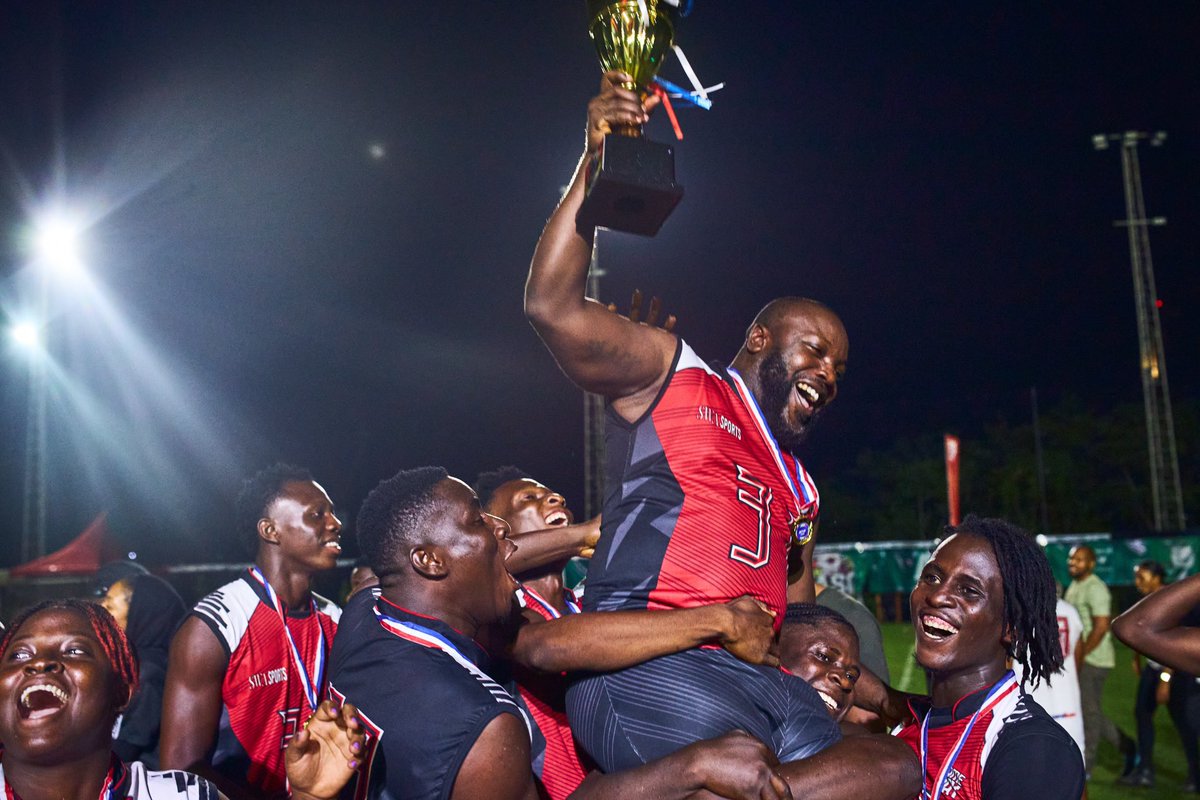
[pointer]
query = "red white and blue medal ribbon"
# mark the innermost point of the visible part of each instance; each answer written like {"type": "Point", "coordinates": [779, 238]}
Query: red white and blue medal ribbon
{"type": "Point", "coordinates": [311, 684]}
{"type": "Point", "coordinates": [802, 487]}
{"type": "Point", "coordinates": [426, 637]}
{"type": "Point", "coordinates": [530, 596]}
{"type": "Point", "coordinates": [1006, 686]}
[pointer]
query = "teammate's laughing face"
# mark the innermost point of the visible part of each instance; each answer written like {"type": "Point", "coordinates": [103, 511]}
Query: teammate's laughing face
{"type": "Point", "coordinates": [958, 612]}
{"type": "Point", "coordinates": [478, 546]}
{"type": "Point", "coordinates": [798, 374]}
{"type": "Point", "coordinates": [301, 521]}
{"type": "Point", "coordinates": [826, 657]}
{"type": "Point", "coordinates": [58, 692]}
{"type": "Point", "coordinates": [529, 506]}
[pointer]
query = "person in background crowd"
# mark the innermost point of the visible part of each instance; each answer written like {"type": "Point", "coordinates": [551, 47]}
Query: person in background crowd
{"type": "Point", "coordinates": [1152, 688]}
{"type": "Point", "coordinates": [148, 609]}
{"type": "Point", "coordinates": [67, 671]}
{"type": "Point", "coordinates": [1091, 598]}
{"type": "Point", "coordinates": [248, 665]}
{"type": "Point", "coordinates": [987, 595]}
{"type": "Point", "coordinates": [1060, 694]}
{"type": "Point", "coordinates": [1165, 626]}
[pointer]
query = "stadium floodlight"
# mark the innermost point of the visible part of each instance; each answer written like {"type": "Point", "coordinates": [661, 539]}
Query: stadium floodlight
{"type": "Point", "coordinates": [56, 244]}
{"type": "Point", "coordinates": [27, 336]}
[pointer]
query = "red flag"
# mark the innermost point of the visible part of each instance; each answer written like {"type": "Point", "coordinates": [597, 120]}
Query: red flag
{"type": "Point", "coordinates": [951, 443]}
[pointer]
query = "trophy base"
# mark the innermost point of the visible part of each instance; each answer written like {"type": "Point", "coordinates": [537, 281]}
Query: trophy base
{"type": "Point", "coordinates": [630, 186]}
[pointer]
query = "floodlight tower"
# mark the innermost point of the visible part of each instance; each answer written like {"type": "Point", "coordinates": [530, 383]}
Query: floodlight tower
{"type": "Point", "coordinates": [1166, 490]}
{"type": "Point", "coordinates": [593, 421]}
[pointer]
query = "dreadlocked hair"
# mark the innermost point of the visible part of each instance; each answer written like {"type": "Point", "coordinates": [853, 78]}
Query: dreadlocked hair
{"type": "Point", "coordinates": [1029, 595]}
{"type": "Point", "coordinates": [108, 633]}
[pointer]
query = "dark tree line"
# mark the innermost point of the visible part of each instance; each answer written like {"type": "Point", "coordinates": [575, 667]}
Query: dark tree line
{"type": "Point", "coordinates": [1096, 476]}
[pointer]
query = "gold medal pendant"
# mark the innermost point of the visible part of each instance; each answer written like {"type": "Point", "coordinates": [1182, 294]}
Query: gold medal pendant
{"type": "Point", "coordinates": [802, 529]}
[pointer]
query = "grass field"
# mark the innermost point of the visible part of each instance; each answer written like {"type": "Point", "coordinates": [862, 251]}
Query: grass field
{"type": "Point", "coordinates": [1118, 704]}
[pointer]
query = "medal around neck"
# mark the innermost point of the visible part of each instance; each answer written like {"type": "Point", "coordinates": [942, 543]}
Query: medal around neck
{"type": "Point", "coordinates": [631, 180]}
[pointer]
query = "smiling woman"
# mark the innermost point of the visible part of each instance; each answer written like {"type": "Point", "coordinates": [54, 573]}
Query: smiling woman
{"type": "Point", "coordinates": [66, 672]}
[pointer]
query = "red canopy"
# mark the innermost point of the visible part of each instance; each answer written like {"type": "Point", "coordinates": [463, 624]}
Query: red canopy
{"type": "Point", "coordinates": [82, 556]}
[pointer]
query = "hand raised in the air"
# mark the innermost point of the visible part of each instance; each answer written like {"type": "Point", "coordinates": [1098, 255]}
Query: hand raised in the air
{"type": "Point", "coordinates": [615, 105]}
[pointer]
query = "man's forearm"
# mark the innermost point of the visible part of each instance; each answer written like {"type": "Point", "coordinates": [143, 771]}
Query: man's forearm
{"type": "Point", "coordinates": [610, 640]}
{"type": "Point", "coordinates": [878, 766]}
{"type": "Point", "coordinates": [1153, 625]}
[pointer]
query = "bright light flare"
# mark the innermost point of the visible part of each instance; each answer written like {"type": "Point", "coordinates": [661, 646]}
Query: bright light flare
{"type": "Point", "coordinates": [26, 335]}
{"type": "Point", "coordinates": [56, 244]}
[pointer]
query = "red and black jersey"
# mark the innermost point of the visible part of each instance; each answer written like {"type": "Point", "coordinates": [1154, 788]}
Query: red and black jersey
{"type": "Point", "coordinates": [263, 698]}
{"type": "Point", "coordinates": [1014, 750]}
{"type": "Point", "coordinates": [700, 507]}
{"type": "Point", "coordinates": [558, 766]}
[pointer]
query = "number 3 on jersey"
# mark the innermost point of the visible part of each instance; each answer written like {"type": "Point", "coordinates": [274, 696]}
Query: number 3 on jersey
{"type": "Point", "coordinates": [758, 497]}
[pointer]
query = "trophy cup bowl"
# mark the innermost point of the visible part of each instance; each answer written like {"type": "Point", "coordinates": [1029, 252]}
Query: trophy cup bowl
{"type": "Point", "coordinates": [630, 181]}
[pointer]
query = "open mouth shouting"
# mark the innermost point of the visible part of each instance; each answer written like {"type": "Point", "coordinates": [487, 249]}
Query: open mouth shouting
{"type": "Point", "coordinates": [333, 544]}
{"type": "Point", "coordinates": [812, 396]}
{"type": "Point", "coordinates": [41, 700]}
{"type": "Point", "coordinates": [557, 518]}
{"type": "Point", "coordinates": [936, 628]}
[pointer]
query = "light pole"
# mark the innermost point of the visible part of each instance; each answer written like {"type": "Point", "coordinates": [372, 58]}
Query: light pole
{"type": "Point", "coordinates": [1166, 490]}
{"type": "Point", "coordinates": [55, 250]}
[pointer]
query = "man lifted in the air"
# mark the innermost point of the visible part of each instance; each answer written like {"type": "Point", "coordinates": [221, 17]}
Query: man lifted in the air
{"type": "Point", "coordinates": [705, 496]}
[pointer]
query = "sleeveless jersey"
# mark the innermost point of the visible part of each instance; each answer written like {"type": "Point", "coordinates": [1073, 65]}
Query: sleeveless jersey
{"type": "Point", "coordinates": [558, 767]}
{"type": "Point", "coordinates": [698, 508]}
{"type": "Point", "coordinates": [422, 694]}
{"type": "Point", "coordinates": [134, 782]}
{"type": "Point", "coordinates": [263, 699]}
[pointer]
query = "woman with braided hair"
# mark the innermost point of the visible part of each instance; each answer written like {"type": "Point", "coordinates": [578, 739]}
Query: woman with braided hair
{"type": "Point", "coordinates": [985, 596]}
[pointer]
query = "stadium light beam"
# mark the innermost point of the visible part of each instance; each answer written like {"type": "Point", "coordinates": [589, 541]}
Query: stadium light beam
{"type": "Point", "coordinates": [27, 336]}
{"type": "Point", "coordinates": [56, 244]}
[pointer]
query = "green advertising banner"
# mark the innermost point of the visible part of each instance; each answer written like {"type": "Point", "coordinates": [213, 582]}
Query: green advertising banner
{"type": "Point", "coordinates": [878, 567]}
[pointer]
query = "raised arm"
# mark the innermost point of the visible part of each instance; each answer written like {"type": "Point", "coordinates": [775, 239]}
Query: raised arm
{"type": "Point", "coordinates": [610, 640]}
{"type": "Point", "coordinates": [192, 705]}
{"type": "Point", "coordinates": [600, 351]}
{"type": "Point", "coordinates": [537, 549]}
{"type": "Point", "coordinates": [1153, 626]}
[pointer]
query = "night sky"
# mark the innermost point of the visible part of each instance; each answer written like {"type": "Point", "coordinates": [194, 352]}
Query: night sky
{"type": "Point", "coordinates": [262, 287]}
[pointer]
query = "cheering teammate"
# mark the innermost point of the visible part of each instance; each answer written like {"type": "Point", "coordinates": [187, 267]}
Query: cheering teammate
{"type": "Point", "coordinates": [248, 664]}
{"type": "Point", "coordinates": [441, 723]}
{"type": "Point", "coordinates": [987, 594]}
{"type": "Point", "coordinates": [705, 493]}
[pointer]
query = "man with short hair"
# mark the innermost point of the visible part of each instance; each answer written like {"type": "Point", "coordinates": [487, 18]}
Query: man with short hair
{"type": "Point", "coordinates": [1091, 598]}
{"type": "Point", "coordinates": [440, 723]}
{"type": "Point", "coordinates": [247, 667]}
{"type": "Point", "coordinates": [705, 497]}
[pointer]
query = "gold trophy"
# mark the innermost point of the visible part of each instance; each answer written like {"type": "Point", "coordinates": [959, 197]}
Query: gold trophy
{"type": "Point", "coordinates": [631, 180]}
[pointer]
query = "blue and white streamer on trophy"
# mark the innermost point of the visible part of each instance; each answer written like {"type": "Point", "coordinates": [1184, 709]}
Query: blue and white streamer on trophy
{"type": "Point", "coordinates": [699, 94]}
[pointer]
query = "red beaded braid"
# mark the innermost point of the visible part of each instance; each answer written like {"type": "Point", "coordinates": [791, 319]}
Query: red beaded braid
{"type": "Point", "coordinates": [108, 633]}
